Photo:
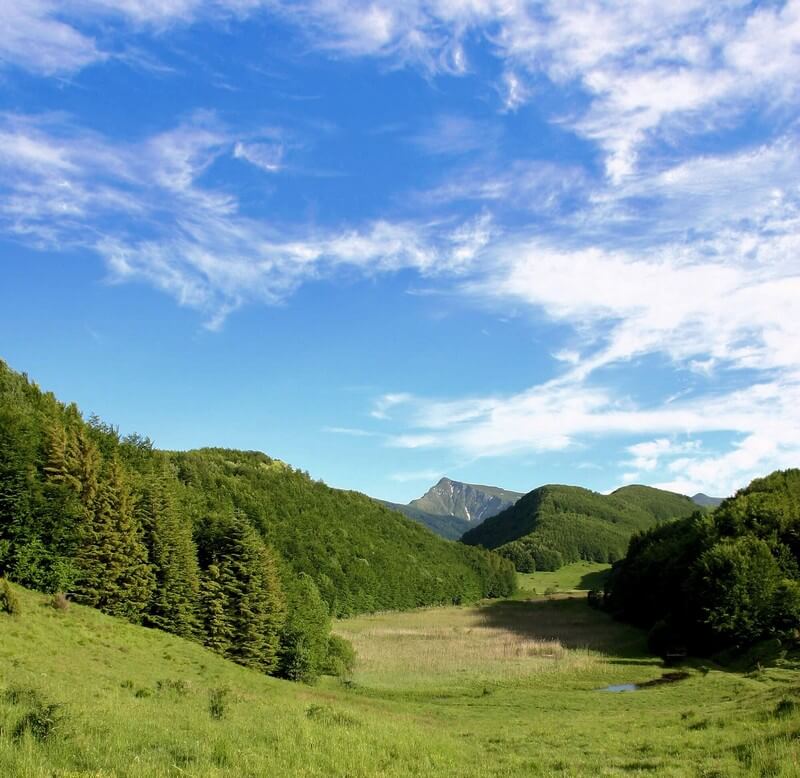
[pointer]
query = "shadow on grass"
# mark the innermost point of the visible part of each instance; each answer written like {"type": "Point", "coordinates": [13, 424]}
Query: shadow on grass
{"type": "Point", "coordinates": [594, 580]}
{"type": "Point", "coordinates": [570, 621]}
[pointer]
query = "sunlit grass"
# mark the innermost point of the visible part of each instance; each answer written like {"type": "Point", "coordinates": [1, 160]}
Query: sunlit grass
{"type": "Point", "coordinates": [577, 577]}
{"type": "Point", "coordinates": [446, 645]}
{"type": "Point", "coordinates": [503, 689]}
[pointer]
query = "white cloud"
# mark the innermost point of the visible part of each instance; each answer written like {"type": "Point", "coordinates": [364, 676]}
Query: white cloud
{"type": "Point", "coordinates": [560, 414]}
{"type": "Point", "coordinates": [142, 207]}
{"type": "Point", "coordinates": [651, 70]}
{"type": "Point", "coordinates": [648, 455]}
{"type": "Point", "coordinates": [385, 403]}
{"type": "Point", "coordinates": [34, 38]}
{"type": "Point", "coordinates": [267, 156]}
{"type": "Point", "coordinates": [352, 432]}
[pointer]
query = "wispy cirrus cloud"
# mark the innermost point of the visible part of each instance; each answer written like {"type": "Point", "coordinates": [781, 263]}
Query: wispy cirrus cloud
{"type": "Point", "coordinates": [145, 210]}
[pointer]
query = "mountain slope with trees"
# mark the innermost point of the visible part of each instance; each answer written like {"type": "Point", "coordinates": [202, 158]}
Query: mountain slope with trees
{"type": "Point", "coordinates": [720, 580]}
{"type": "Point", "coordinates": [450, 527]}
{"type": "Point", "coordinates": [556, 525]}
{"type": "Point", "coordinates": [231, 548]}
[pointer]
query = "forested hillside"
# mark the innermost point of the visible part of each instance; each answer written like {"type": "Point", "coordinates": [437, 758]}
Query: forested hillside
{"type": "Point", "coordinates": [237, 550]}
{"type": "Point", "coordinates": [450, 527]}
{"type": "Point", "coordinates": [727, 579]}
{"type": "Point", "coordinates": [556, 525]}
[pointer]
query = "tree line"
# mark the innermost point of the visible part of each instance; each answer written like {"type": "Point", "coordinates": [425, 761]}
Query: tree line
{"type": "Point", "coordinates": [719, 581]}
{"type": "Point", "coordinates": [238, 551]}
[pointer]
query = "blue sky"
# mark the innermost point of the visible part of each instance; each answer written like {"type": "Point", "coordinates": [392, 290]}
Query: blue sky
{"type": "Point", "coordinates": [510, 242]}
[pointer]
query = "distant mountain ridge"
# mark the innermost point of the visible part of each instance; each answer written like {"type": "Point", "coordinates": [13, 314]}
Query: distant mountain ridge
{"type": "Point", "coordinates": [449, 508]}
{"type": "Point", "coordinates": [471, 502]}
{"type": "Point", "coordinates": [704, 501]}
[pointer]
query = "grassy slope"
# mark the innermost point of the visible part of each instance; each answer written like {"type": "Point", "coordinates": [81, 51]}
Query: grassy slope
{"type": "Point", "coordinates": [507, 688]}
{"type": "Point", "coordinates": [577, 577]}
{"type": "Point", "coordinates": [551, 513]}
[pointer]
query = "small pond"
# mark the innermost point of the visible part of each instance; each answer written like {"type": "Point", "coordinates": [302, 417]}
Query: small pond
{"type": "Point", "coordinates": [633, 687]}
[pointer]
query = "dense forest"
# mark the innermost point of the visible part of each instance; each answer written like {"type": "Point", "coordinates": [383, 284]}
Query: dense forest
{"type": "Point", "coordinates": [718, 581]}
{"type": "Point", "coordinates": [555, 525]}
{"type": "Point", "coordinates": [450, 527]}
{"type": "Point", "coordinates": [239, 551]}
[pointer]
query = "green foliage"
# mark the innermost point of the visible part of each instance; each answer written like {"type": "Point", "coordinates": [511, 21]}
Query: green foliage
{"type": "Point", "coordinates": [304, 641]}
{"type": "Point", "coordinates": [558, 525]}
{"type": "Point", "coordinates": [210, 544]}
{"type": "Point", "coordinates": [114, 572]}
{"type": "Point", "coordinates": [246, 620]}
{"type": "Point", "coordinates": [41, 722]}
{"type": "Point", "coordinates": [341, 657]}
{"type": "Point", "coordinates": [736, 583]}
{"type": "Point", "coordinates": [9, 602]}
{"type": "Point", "coordinates": [521, 555]}
{"type": "Point", "coordinates": [217, 701]}
{"type": "Point", "coordinates": [721, 581]}
{"type": "Point", "coordinates": [361, 556]}
{"type": "Point", "coordinates": [173, 558]}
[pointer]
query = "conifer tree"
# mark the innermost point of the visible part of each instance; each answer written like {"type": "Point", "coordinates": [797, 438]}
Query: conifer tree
{"type": "Point", "coordinates": [173, 557]}
{"type": "Point", "coordinates": [114, 573]}
{"type": "Point", "coordinates": [217, 630]}
{"type": "Point", "coordinates": [256, 600]}
{"type": "Point", "coordinates": [242, 599]}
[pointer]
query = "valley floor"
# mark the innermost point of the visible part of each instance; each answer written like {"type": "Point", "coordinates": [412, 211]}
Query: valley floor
{"type": "Point", "coordinates": [501, 689]}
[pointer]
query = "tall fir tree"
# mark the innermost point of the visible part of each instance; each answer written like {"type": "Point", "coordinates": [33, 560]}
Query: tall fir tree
{"type": "Point", "coordinates": [215, 621]}
{"type": "Point", "coordinates": [245, 578]}
{"type": "Point", "coordinates": [114, 572]}
{"type": "Point", "coordinates": [173, 557]}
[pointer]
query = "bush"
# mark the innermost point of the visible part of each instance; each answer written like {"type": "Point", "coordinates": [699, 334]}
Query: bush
{"type": "Point", "coordinates": [9, 602]}
{"type": "Point", "coordinates": [41, 722]}
{"type": "Point", "coordinates": [217, 702]}
{"type": "Point", "coordinates": [785, 707]}
{"type": "Point", "coordinates": [21, 695]}
{"type": "Point", "coordinates": [341, 657]}
{"type": "Point", "coordinates": [59, 602]}
{"type": "Point", "coordinates": [168, 686]}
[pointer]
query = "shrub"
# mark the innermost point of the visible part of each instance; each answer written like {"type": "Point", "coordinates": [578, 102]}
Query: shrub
{"type": "Point", "coordinates": [179, 688]}
{"type": "Point", "coordinates": [9, 602]}
{"type": "Point", "coordinates": [785, 707]}
{"type": "Point", "coordinates": [59, 601]}
{"type": "Point", "coordinates": [41, 721]}
{"type": "Point", "coordinates": [217, 702]}
{"type": "Point", "coordinates": [341, 657]}
{"type": "Point", "coordinates": [21, 695]}
{"type": "Point", "coordinates": [325, 714]}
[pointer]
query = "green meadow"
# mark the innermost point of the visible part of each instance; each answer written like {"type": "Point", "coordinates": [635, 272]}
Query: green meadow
{"type": "Point", "coordinates": [509, 687]}
{"type": "Point", "coordinates": [575, 578]}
